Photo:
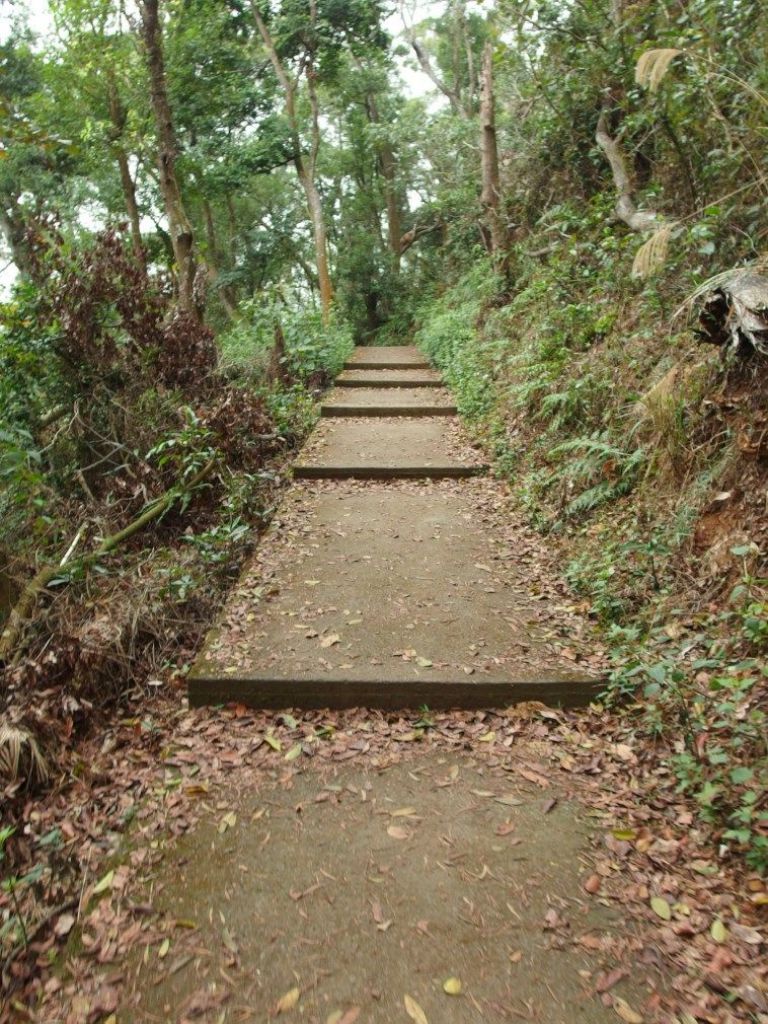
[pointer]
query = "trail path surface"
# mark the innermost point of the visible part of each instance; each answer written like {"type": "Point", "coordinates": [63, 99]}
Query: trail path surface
{"type": "Point", "coordinates": [338, 863]}
{"type": "Point", "coordinates": [349, 892]}
{"type": "Point", "coordinates": [406, 590]}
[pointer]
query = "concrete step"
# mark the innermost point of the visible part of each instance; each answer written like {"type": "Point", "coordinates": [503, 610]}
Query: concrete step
{"type": "Point", "coordinates": [386, 448]}
{"type": "Point", "coordinates": [388, 402]}
{"type": "Point", "coordinates": [409, 378]}
{"type": "Point", "coordinates": [323, 691]}
{"type": "Point", "coordinates": [386, 357]}
{"type": "Point", "coordinates": [388, 597]}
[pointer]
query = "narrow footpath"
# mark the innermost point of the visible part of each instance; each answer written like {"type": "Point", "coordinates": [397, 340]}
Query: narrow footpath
{"type": "Point", "coordinates": [419, 834]}
{"type": "Point", "coordinates": [389, 579]}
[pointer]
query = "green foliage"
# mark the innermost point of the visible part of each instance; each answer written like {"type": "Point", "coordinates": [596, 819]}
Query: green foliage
{"type": "Point", "coordinates": [597, 471]}
{"type": "Point", "coordinates": [447, 334]}
{"type": "Point", "coordinates": [312, 349]}
{"type": "Point", "coordinates": [710, 693]}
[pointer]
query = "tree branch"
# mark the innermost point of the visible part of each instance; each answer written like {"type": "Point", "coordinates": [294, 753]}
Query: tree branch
{"type": "Point", "coordinates": [626, 210]}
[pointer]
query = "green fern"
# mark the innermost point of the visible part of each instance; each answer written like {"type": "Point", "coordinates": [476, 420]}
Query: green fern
{"type": "Point", "coordinates": [602, 471]}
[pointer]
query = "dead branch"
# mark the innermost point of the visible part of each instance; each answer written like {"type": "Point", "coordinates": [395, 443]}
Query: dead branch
{"type": "Point", "coordinates": [735, 313]}
{"type": "Point", "coordinates": [33, 590]}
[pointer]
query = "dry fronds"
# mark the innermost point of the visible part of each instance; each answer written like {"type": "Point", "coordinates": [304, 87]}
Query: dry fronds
{"type": "Point", "coordinates": [652, 254]}
{"type": "Point", "coordinates": [653, 65]}
{"type": "Point", "coordinates": [20, 755]}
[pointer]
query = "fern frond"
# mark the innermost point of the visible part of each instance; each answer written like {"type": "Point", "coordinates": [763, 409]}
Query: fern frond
{"type": "Point", "coordinates": [653, 65]}
{"type": "Point", "coordinates": [20, 754]}
{"type": "Point", "coordinates": [652, 254]}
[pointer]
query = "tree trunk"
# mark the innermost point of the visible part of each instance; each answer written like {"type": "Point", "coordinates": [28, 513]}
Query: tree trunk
{"type": "Point", "coordinates": [626, 210]}
{"type": "Point", "coordinates": [118, 117]}
{"type": "Point", "coordinates": [315, 207]}
{"type": "Point", "coordinates": [305, 168]}
{"type": "Point", "coordinates": [388, 170]}
{"type": "Point", "coordinates": [489, 154]}
{"type": "Point", "coordinates": [228, 297]}
{"type": "Point", "coordinates": [735, 313]}
{"type": "Point", "coordinates": [181, 233]}
{"type": "Point", "coordinates": [14, 228]}
{"type": "Point", "coordinates": [131, 206]}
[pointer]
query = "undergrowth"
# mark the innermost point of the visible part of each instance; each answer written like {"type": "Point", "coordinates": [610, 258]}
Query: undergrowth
{"type": "Point", "coordinates": [616, 433]}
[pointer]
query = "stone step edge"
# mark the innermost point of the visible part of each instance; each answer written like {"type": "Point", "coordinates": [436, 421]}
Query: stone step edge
{"type": "Point", "coordinates": [348, 472]}
{"type": "Point", "coordinates": [436, 694]}
{"type": "Point", "coordinates": [388, 364]}
{"type": "Point", "coordinates": [331, 410]}
{"type": "Point", "coordinates": [384, 382]}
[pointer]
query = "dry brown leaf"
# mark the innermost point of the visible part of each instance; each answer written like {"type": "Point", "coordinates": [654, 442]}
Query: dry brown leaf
{"type": "Point", "coordinates": [288, 1001]}
{"type": "Point", "coordinates": [414, 1011]}
{"type": "Point", "coordinates": [625, 1011]}
{"type": "Point", "coordinates": [398, 832]}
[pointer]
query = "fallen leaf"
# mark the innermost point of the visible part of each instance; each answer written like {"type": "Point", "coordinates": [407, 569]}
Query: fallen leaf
{"type": "Point", "coordinates": [424, 662]}
{"type": "Point", "coordinates": [718, 931]}
{"type": "Point", "coordinates": [592, 884]}
{"type": "Point", "coordinates": [625, 1011]}
{"type": "Point", "coordinates": [105, 884]}
{"type": "Point", "coordinates": [351, 1015]}
{"type": "Point", "coordinates": [273, 742]}
{"type": "Point", "coordinates": [288, 1001]}
{"type": "Point", "coordinates": [661, 908]}
{"type": "Point", "coordinates": [414, 1011]}
{"type": "Point", "coordinates": [605, 982]}
{"type": "Point", "coordinates": [745, 934]}
{"type": "Point", "coordinates": [397, 832]}
{"type": "Point", "coordinates": [64, 925]}
{"type": "Point", "coordinates": [293, 753]}
{"type": "Point", "coordinates": [330, 640]}
{"type": "Point", "coordinates": [452, 986]}
{"type": "Point", "coordinates": [624, 834]}
{"type": "Point", "coordinates": [228, 821]}
{"type": "Point", "coordinates": [165, 945]}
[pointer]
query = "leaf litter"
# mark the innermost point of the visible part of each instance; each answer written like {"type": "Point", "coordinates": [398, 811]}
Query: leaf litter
{"type": "Point", "coordinates": [155, 774]}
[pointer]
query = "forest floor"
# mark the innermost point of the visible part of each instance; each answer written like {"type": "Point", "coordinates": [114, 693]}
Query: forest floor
{"type": "Point", "coordinates": [235, 865]}
{"type": "Point", "coordinates": [243, 865]}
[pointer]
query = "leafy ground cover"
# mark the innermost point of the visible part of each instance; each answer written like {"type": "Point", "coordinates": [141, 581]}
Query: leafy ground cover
{"type": "Point", "coordinates": [692, 932]}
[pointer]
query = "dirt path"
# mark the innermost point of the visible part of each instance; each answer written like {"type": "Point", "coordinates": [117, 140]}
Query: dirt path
{"type": "Point", "coordinates": [405, 590]}
{"type": "Point", "coordinates": [352, 888]}
{"type": "Point", "coordinates": [442, 866]}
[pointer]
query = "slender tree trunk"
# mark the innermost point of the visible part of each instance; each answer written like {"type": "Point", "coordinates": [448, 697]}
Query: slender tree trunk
{"type": "Point", "coordinates": [489, 154]}
{"type": "Point", "coordinates": [181, 233]}
{"type": "Point", "coordinates": [626, 210]}
{"type": "Point", "coordinates": [131, 206]}
{"type": "Point", "coordinates": [315, 207]}
{"type": "Point", "coordinates": [118, 117]}
{"type": "Point", "coordinates": [228, 297]}
{"type": "Point", "coordinates": [14, 230]}
{"type": "Point", "coordinates": [307, 173]}
{"type": "Point", "coordinates": [388, 170]}
{"type": "Point", "coordinates": [305, 167]}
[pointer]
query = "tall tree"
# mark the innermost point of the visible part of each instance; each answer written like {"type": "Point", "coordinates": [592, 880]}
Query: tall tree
{"type": "Point", "coordinates": [304, 162]}
{"type": "Point", "coordinates": [490, 195]}
{"type": "Point", "coordinates": [180, 227]}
